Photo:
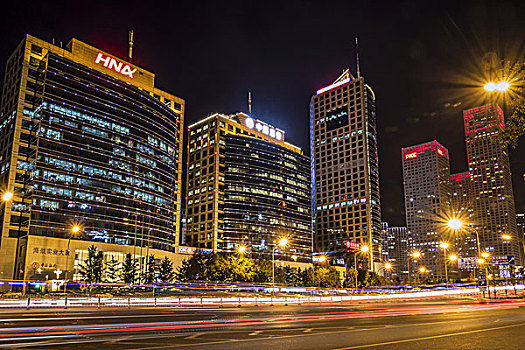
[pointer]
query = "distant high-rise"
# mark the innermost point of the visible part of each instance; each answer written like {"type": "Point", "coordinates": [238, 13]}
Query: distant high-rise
{"type": "Point", "coordinates": [462, 207]}
{"type": "Point", "coordinates": [248, 187]}
{"type": "Point", "coordinates": [395, 247]}
{"type": "Point", "coordinates": [494, 212]}
{"type": "Point", "coordinates": [426, 174]}
{"type": "Point", "coordinates": [345, 174]}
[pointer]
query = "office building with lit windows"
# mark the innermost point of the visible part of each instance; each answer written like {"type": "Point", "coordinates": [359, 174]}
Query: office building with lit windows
{"type": "Point", "coordinates": [462, 207]}
{"type": "Point", "coordinates": [247, 187]}
{"type": "Point", "coordinates": [395, 245]}
{"type": "Point", "coordinates": [494, 210]}
{"type": "Point", "coordinates": [344, 167]}
{"type": "Point", "coordinates": [86, 139]}
{"type": "Point", "coordinates": [426, 182]}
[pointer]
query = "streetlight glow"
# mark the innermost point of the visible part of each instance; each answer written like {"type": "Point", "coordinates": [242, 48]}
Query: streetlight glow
{"type": "Point", "coordinates": [485, 254]}
{"type": "Point", "coordinates": [455, 224]}
{"type": "Point", "coordinates": [322, 258]}
{"type": "Point", "coordinates": [365, 249]}
{"type": "Point", "coordinates": [7, 196]}
{"type": "Point", "coordinates": [506, 237]}
{"type": "Point", "coordinates": [241, 249]}
{"type": "Point", "coordinates": [388, 265]}
{"type": "Point", "coordinates": [444, 245]}
{"type": "Point", "coordinates": [502, 86]}
{"type": "Point", "coordinates": [422, 269]}
{"type": "Point", "coordinates": [283, 242]}
{"type": "Point", "coordinates": [416, 255]}
{"type": "Point", "coordinates": [75, 229]}
{"type": "Point", "coordinates": [481, 261]}
{"type": "Point", "coordinates": [453, 257]}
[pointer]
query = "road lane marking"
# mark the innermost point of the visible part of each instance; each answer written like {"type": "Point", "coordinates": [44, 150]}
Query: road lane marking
{"type": "Point", "coordinates": [431, 337]}
{"type": "Point", "coordinates": [256, 332]}
{"type": "Point", "coordinates": [193, 336]}
{"type": "Point", "coordinates": [172, 346]}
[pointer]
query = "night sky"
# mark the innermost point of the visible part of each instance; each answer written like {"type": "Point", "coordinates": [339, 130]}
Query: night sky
{"type": "Point", "coordinates": [426, 61]}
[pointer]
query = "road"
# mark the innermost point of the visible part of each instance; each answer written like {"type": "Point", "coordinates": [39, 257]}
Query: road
{"type": "Point", "coordinates": [430, 324]}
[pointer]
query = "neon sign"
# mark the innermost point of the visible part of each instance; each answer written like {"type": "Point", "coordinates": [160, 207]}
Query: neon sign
{"type": "Point", "coordinates": [111, 63]}
{"type": "Point", "coordinates": [333, 86]}
{"type": "Point", "coordinates": [263, 128]}
{"type": "Point", "coordinates": [411, 155]}
{"type": "Point", "coordinates": [352, 245]}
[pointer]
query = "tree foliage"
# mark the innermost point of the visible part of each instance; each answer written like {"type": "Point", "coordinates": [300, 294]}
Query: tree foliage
{"type": "Point", "coordinates": [235, 268]}
{"type": "Point", "coordinates": [149, 275]}
{"type": "Point", "coordinates": [515, 123]}
{"type": "Point", "coordinates": [92, 268]}
{"type": "Point", "coordinates": [166, 272]}
{"type": "Point", "coordinates": [129, 269]}
{"type": "Point", "coordinates": [112, 270]}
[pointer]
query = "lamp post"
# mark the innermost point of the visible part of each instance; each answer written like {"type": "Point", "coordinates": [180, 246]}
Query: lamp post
{"type": "Point", "coordinates": [422, 270]}
{"type": "Point", "coordinates": [283, 242]}
{"type": "Point", "coordinates": [364, 249]}
{"type": "Point", "coordinates": [414, 255]}
{"type": "Point", "coordinates": [444, 246]}
{"type": "Point", "coordinates": [74, 231]}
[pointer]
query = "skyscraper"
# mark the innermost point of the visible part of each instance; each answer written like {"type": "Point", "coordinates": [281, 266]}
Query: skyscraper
{"type": "Point", "coordinates": [87, 140]}
{"type": "Point", "coordinates": [494, 212]}
{"type": "Point", "coordinates": [247, 187]}
{"type": "Point", "coordinates": [345, 175]}
{"type": "Point", "coordinates": [462, 207]}
{"type": "Point", "coordinates": [395, 247]}
{"type": "Point", "coordinates": [426, 174]}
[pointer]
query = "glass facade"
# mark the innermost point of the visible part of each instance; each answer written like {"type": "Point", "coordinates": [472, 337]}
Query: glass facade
{"type": "Point", "coordinates": [92, 150]}
{"type": "Point", "coordinates": [266, 196]}
{"type": "Point", "coordinates": [247, 186]}
{"type": "Point", "coordinates": [345, 173]}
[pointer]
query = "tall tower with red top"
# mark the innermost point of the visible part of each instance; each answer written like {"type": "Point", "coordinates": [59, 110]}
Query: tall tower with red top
{"type": "Point", "coordinates": [426, 174]}
{"type": "Point", "coordinates": [494, 212]}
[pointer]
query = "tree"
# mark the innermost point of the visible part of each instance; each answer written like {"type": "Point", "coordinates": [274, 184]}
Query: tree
{"type": "Point", "coordinates": [350, 279]}
{"type": "Point", "coordinates": [514, 74]}
{"type": "Point", "coordinates": [150, 274]}
{"type": "Point", "coordinates": [166, 273]}
{"type": "Point", "coordinates": [112, 270]}
{"type": "Point", "coordinates": [92, 268]}
{"type": "Point", "coordinates": [129, 269]}
{"type": "Point", "coordinates": [194, 269]}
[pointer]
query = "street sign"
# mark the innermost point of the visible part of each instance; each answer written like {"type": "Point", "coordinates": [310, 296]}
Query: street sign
{"type": "Point", "coordinates": [468, 263]}
{"type": "Point", "coordinates": [352, 245]}
{"type": "Point", "coordinates": [482, 279]}
{"type": "Point", "coordinates": [503, 260]}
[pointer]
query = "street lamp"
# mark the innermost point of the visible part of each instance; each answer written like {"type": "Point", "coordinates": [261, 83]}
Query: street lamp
{"type": "Point", "coordinates": [283, 242]}
{"type": "Point", "coordinates": [414, 255]}
{"type": "Point", "coordinates": [502, 86]}
{"type": "Point", "coordinates": [7, 196]}
{"type": "Point", "coordinates": [444, 246]}
{"type": "Point", "coordinates": [75, 229]}
{"type": "Point", "coordinates": [456, 224]}
{"type": "Point", "coordinates": [241, 249]}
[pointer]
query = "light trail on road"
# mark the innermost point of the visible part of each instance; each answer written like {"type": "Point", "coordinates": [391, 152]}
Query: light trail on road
{"type": "Point", "coordinates": [79, 333]}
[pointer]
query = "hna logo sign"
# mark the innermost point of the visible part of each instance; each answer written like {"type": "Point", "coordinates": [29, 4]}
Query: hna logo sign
{"type": "Point", "coordinates": [111, 63]}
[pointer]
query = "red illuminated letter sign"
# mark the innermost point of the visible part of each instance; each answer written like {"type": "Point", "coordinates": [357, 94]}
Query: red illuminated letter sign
{"type": "Point", "coordinates": [111, 63]}
{"type": "Point", "coordinates": [411, 155]}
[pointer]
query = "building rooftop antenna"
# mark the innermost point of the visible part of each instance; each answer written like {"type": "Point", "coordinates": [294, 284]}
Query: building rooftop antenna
{"type": "Point", "coordinates": [357, 57]}
{"type": "Point", "coordinates": [250, 103]}
{"type": "Point", "coordinates": [130, 40]}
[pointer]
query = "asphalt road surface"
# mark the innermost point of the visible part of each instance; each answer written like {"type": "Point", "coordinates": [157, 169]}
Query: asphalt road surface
{"type": "Point", "coordinates": [435, 324]}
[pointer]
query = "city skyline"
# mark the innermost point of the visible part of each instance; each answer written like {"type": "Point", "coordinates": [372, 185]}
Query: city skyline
{"type": "Point", "coordinates": [423, 82]}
